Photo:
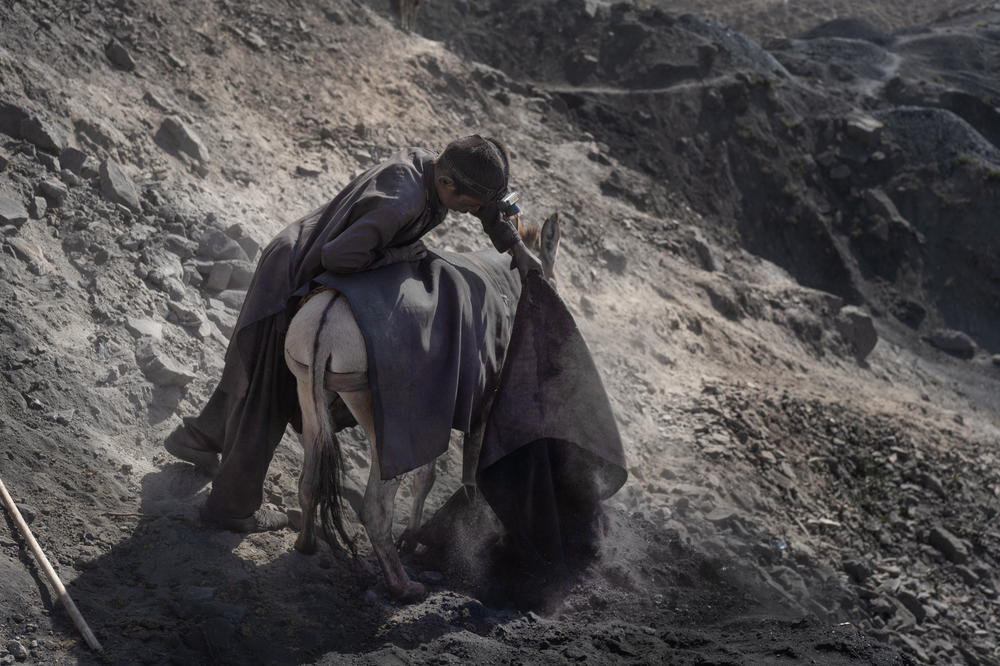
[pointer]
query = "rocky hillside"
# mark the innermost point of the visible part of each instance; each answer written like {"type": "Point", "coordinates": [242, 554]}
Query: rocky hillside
{"type": "Point", "coordinates": [780, 252]}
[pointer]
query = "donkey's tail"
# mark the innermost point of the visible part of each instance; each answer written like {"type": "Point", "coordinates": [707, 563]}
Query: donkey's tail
{"type": "Point", "coordinates": [329, 479]}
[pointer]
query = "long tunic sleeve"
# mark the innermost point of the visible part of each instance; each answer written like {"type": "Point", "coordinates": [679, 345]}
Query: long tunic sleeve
{"type": "Point", "coordinates": [385, 224]}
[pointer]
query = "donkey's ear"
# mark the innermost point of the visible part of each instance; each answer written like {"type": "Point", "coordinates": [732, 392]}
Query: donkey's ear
{"type": "Point", "coordinates": [550, 244]}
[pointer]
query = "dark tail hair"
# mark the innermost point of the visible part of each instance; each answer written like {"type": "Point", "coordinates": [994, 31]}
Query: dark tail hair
{"type": "Point", "coordinates": [331, 463]}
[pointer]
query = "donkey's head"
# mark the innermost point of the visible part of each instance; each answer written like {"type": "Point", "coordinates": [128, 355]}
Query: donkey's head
{"type": "Point", "coordinates": [543, 240]}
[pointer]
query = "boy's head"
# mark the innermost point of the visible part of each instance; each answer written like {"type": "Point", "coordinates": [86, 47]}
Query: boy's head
{"type": "Point", "coordinates": [471, 172]}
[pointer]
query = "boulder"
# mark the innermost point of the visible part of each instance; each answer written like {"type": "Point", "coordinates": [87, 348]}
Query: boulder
{"type": "Point", "coordinates": [233, 298]}
{"type": "Point", "coordinates": [11, 116]}
{"type": "Point", "coordinates": [175, 136]}
{"type": "Point", "coordinates": [39, 206]}
{"type": "Point", "coordinates": [864, 129]}
{"type": "Point", "coordinates": [238, 234]}
{"type": "Point", "coordinates": [949, 545]}
{"type": "Point", "coordinates": [857, 327]}
{"type": "Point", "coordinates": [72, 159]}
{"type": "Point", "coordinates": [224, 320]}
{"type": "Point", "coordinates": [43, 134]}
{"type": "Point", "coordinates": [160, 368]}
{"type": "Point", "coordinates": [55, 192]}
{"type": "Point", "coordinates": [241, 275]}
{"type": "Point", "coordinates": [12, 211]}
{"type": "Point", "coordinates": [953, 342]}
{"type": "Point", "coordinates": [117, 187]}
{"type": "Point", "coordinates": [218, 277]}
{"type": "Point", "coordinates": [216, 245]}
{"type": "Point", "coordinates": [141, 327]}
{"type": "Point", "coordinates": [119, 56]}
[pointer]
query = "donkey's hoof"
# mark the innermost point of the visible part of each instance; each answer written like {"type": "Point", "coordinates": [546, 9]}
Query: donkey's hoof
{"type": "Point", "coordinates": [305, 545]}
{"type": "Point", "coordinates": [410, 593]}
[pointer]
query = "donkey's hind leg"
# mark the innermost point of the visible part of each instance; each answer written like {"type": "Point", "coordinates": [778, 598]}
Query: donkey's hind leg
{"type": "Point", "coordinates": [377, 508]}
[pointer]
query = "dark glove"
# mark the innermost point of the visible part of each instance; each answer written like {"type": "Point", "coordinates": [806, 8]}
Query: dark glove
{"type": "Point", "coordinates": [502, 233]}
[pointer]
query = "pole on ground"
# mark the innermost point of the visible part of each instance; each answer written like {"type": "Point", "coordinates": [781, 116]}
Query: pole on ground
{"type": "Point", "coordinates": [50, 573]}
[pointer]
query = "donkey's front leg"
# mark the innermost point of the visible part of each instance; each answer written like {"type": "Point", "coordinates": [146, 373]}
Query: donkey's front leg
{"type": "Point", "coordinates": [423, 481]}
{"type": "Point", "coordinates": [376, 514]}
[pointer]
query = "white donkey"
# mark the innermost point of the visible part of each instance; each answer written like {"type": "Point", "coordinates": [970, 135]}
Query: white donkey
{"type": "Point", "coordinates": [325, 350]}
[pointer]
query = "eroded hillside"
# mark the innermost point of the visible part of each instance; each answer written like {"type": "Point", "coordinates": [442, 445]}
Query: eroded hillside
{"type": "Point", "coordinates": [739, 223]}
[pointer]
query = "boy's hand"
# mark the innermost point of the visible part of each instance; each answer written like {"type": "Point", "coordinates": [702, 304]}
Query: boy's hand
{"type": "Point", "coordinates": [415, 251]}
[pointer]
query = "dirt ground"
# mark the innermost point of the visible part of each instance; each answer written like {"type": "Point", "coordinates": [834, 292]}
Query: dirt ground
{"type": "Point", "coordinates": [787, 501]}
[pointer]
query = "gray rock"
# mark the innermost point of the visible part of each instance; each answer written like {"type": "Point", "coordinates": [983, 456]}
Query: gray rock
{"type": "Point", "coordinates": [723, 299]}
{"type": "Point", "coordinates": [39, 207]}
{"type": "Point", "coordinates": [996, 360]}
{"type": "Point", "coordinates": [705, 255]}
{"type": "Point", "coordinates": [31, 254]}
{"type": "Point", "coordinates": [187, 313]}
{"type": "Point", "coordinates": [162, 265]}
{"type": "Point", "coordinates": [238, 234]}
{"type": "Point", "coordinates": [43, 134]}
{"type": "Point", "coordinates": [949, 545]}
{"type": "Point", "coordinates": [192, 276]}
{"type": "Point", "coordinates": [857, 569]}
{"type": "Point", "coordinates": [175, 288]}
{"type": "Point", "coordinates": [224, 320]}
{"type": "Point", "coordinates": [242, 273]}
{"type": "Point", "coordinates": [912, 604]}
{"type": "Point", "coordinates": [233, 298]}
{"type": "Point", "coordinates": [12, 211]}
{"type": "Point", "coordinates": [179, 245]}
{"type": "Point", "coordinates": [70, 178]}
{"type": "Point", "coordinates": [28, 512]}
{"type": "Point", "coordinates": [11, 116]}
{"type": "Point", "coordinates": [117, 187]}
{"type": "Point", "coordinates": [858, 329]}
{"type": "Point", "coordinates": [308, 170]}
{"type": "Point", "coordinates": [16, 650]}
{"type": "Point", "coordinates": [865, 129]}
{"type": "Point", "coordinates": [175, 136]}
{"type": "Point", "coordinates": [160, 368]}
{"type": "Point", "coordinates": [902, 619]}
{"type": "Point", "coordinates": [255, 41]}
{"type": "Point", "coordinates": [218, 278]}
{"type": "Point", "coordinates": [953, 342]}
{"type": "Point", "coordinates": [72, 159]}
{"type": "Point", "coordinates": [141, 327]}
{"type": "Point", "coordinates": [840, 172]}
{"type": "Point", "coordinates": [47, 161]}
{"type": "Point", "coordinates": [55, 193]}
{"type": "Point", "coordinates": [880, 206]}
{"type": "Point", "coordinates": [615, 259]}
{"type": "Point", "coordinates": [119, 56]}
{"type": "Point", "coordinates": [968, 575]}
{"type": "Point", "coordinates": [217, 245]}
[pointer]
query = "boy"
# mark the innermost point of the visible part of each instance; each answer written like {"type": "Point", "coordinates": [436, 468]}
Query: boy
{"type": "Point", "coordinates": [378, 219]}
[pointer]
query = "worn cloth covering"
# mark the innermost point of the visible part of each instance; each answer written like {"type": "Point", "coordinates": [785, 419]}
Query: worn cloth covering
{"type": "Point", "coordinates": [424, 325]}
{"type": "Point", "coordinates": [551, 449]}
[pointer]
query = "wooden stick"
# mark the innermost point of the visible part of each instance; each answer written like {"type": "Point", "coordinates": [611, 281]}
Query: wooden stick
{"type": "Point", "coordinates": [53, 577]}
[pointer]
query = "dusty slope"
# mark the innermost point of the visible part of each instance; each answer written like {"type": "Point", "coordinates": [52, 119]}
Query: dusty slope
{"type": "Point", "coordinates": [763, 455]}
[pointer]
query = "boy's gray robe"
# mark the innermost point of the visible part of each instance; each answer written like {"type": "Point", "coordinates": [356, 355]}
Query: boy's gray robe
{"type": "Point", "coordinates": [387, 207]}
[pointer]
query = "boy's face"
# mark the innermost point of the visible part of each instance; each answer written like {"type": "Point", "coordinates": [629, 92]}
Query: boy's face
{"type": "Point", "coordinates": [461, 203]}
